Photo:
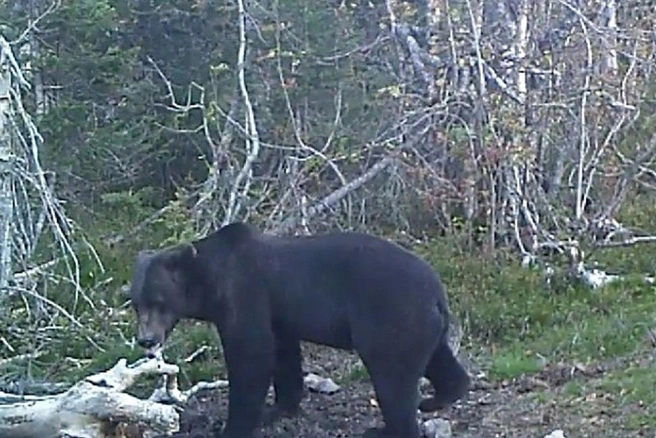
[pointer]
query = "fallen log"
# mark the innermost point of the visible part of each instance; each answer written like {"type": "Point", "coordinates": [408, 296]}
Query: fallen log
{"type": "Point", "coordinates": [94, 407]}
{"type": "Point", "coordinates": [98, 407]}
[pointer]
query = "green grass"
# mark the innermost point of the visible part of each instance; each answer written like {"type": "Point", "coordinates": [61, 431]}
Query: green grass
{"type": "Point", "coordinates": [509, 364]}
{"type": "Point", "coordinates": [518, 324]}
{"type": "Point", "coordinates": [610, 323]}
{"type": "Point", "coordinates": [632, 385]}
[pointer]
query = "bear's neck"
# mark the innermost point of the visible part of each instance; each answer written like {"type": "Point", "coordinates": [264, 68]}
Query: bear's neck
{"type": "Point", "coordinates": [201, 290]}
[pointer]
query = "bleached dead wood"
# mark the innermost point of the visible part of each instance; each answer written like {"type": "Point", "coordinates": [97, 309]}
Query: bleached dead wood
{"type": "Point", "coordinates": [243, 179]}
{"type": "Point", "coordinates": [596, 278]}
{"type": "Point", "coordinates": [92, 407]}
{"type": "Point", "coordinates": [97, 405]}
{"type": "Point", "coordinates": [590, 276]}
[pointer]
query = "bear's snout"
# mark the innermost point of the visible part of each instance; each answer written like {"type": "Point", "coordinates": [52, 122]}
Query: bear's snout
{"type": "Point", "coordinates": [152, 345]}
{"type": "Point", "coordinates": [147, 342]}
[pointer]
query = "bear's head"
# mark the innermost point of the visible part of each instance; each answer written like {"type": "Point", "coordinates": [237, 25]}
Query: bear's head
{"type": "Point", "coordinates": [160, 293]}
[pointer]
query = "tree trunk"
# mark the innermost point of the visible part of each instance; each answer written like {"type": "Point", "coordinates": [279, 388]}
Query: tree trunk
{"type": "Point", "coordinates": [6, 177]}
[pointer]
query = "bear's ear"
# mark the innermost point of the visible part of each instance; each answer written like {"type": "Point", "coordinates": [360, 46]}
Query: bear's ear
{"type": "Point", "coordinates": [177, 261]}
{"type": "Point", "coordinates": [179, 257]}
{"type": "Point", "coordinates": [191, 252]}
{"type": "Point", "coordinates": [145, 255]}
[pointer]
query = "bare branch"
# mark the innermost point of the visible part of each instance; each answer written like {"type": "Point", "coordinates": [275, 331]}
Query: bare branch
{"type": "Point", "coordinates": [31, 181]}
{"type": "Point", "coordinates": [627, 242]}
{"type": "Point", "coordinates": [253, 140]}
{"type": "Point", "coordinates": [316, 209]}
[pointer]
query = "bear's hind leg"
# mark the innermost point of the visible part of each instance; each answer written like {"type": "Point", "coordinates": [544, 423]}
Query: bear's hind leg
{"type": "Point", "coordinates": [287, 379]}
{"type": "Point", "coordinates": [449, 379]}
{"type": "Point", "coordinates": [396, 392]}
{"type": "Point", "coordinates": [395, 353]}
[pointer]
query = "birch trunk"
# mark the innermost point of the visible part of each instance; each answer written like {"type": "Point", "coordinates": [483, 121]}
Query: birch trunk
{"type": "Point", "coordinates": [6, 176]}
{"type": "Point", "coordinates": [610, 64]}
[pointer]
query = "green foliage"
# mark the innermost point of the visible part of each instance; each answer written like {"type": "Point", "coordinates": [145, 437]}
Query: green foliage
{"type": "Point", "coordinates": [176, 225]}
{"type": "Point", "coordinates": [510, 310]}
{"type": "Point", "coordinates": [638, 213]}
{"type": "Point", "coordinates": [515, 299]}
{"type": "Point", "coordinates": [96, 129]}
{"type": "Point", "coordinates": [514, 363]}
{"type": "Point", "coordinates": [605, 323]}
{"type": "Point", "coordinates": [634, 387]}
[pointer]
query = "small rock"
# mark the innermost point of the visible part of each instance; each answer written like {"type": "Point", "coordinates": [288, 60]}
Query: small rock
{"type": "Point", "coordinates": [320, 384]}
{"type": "Point", "coordinates": [556, 434]}
{"type": "Point", "coordinates": [436, 428]}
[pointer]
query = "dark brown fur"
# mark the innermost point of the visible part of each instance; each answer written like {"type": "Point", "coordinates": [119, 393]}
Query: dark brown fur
{"type": "Point", "coordinates": [266, 294]}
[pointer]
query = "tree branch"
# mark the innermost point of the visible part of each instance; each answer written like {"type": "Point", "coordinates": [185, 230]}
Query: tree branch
{"type": "Point", "coordinates": [328, 201]}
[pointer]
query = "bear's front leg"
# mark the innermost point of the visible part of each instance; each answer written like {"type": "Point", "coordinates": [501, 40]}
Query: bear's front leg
{"type": "Point", "coordinates": [287, 377]}
{"type": "Point", "coordinates": [249, 360]}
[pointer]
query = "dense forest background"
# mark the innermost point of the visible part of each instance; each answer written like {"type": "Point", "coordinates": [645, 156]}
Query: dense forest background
{"type": "Point", "coordinates": [510, 142]}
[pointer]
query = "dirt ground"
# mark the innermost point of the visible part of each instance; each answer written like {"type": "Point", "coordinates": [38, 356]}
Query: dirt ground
{"type": "Point", "coordinates": [509, 409]}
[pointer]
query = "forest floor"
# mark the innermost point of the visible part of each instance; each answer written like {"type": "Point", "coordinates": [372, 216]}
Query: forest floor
{"type": "Point", "coordinates": [612, 398]}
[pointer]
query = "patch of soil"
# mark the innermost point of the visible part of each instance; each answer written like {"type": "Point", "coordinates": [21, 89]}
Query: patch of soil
{"type": "Point", "coordinates": [506, 409]}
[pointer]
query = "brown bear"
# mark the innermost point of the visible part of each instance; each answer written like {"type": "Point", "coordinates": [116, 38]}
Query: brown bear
{"type": "Point", "coordinates": [265, 294]}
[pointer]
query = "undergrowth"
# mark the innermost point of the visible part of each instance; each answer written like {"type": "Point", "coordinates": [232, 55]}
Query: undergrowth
{"type": "Point", "coordinates": [514, 322]}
